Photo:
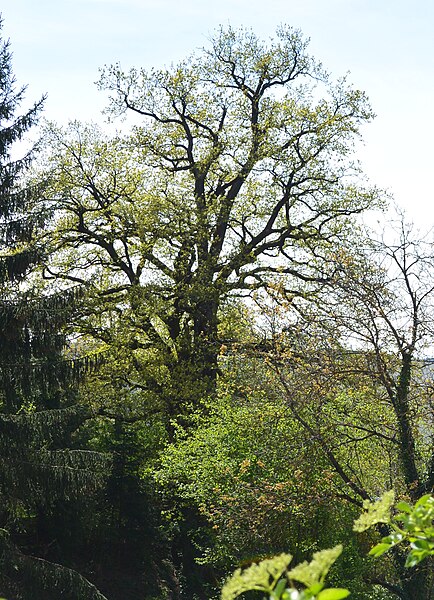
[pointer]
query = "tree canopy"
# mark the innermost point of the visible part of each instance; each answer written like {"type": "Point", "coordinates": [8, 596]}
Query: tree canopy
{"type": "Point", "coordinates": [238, 174]}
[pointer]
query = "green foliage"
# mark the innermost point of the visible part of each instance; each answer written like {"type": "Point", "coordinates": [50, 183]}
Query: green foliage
{"type": "Point", "coordinates": [237, 181]}
{"type": "Point", "coordinates": [242, 153]}
{"type": "Point", "coordinates": [42, 471]}
{"type": "Point", "coordinates": [43, 579]}
{"type": "Point", "coordinates": [375, 512]}
{"type": "Point", "coordinates": [237, 178]}
{"type": "Point", "coordinates": [262, 576]}
{"type": "Point", "coordinates": [272, 577]}
{"type": "Point", "coordinates": [19, 213]}
{"type": "Point", "coordinates": [412, 527]}
{"type": "Point", "coordinates": [256, 492]}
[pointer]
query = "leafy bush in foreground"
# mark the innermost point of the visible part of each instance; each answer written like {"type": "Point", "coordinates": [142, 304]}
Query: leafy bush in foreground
{"type": "Point", "coordinates": [412, 527]}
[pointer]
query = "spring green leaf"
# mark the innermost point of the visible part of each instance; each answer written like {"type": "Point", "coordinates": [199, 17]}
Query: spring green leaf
{"type": "Point", "coordinates": [333, 594]}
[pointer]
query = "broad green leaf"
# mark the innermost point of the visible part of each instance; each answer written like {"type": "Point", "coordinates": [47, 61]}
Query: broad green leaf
{"type": "Point", "coordinates": [415, 557]}
{"type": "Point", "coordinates": [423, 500]}
{"type": "Point", "coordinates": [404, 507]}
{"type": "Point", "coordinates": [421, 545]}
{"type": "Point", "coordinates": [379, 549]}
{"type": "Point", "coordinates": [333, 594]}
{"type": "Point", "coordinates": [316, 588]}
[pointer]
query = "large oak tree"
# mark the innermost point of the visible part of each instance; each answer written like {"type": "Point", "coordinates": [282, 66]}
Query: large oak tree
{"type": "Point", "coordinates": [237, 173]}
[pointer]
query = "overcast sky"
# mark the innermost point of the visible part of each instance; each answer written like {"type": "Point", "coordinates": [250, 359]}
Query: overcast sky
{"type": "Point", "coordinates": [386, 45]}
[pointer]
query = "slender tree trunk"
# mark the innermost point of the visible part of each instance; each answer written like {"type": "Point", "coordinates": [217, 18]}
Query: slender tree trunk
{"type": "Point", "coordinates": [407, 446]}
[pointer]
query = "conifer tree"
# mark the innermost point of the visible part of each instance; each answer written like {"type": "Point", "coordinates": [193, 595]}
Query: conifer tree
{"type": "Point", "coordinates": [37, 411]}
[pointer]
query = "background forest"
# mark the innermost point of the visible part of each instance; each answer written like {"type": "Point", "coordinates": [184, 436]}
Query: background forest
{"type": "Point", "coordinates": [206, 357]}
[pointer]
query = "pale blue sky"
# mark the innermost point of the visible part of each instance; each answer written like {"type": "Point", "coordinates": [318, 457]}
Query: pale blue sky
{"type": "Point", "coordinates": [387, 45]}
